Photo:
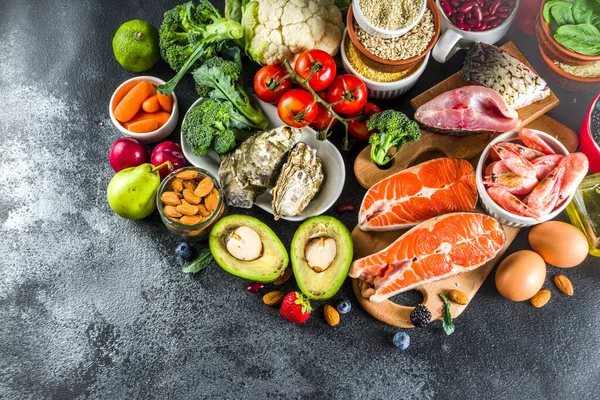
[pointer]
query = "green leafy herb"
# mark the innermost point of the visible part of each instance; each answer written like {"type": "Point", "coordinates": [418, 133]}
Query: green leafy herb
{"type": "Point", "coordinates": [447, 320]}
{"type": "Point", "coordinates": [582, 38]}
{"type": "Point", "coordinates": [199, 263]}
{"type": "Point", "coordinates": [562, 13]}
{"type": "Point", "coordinates": [547, 6]}
{"type": "Point", "coordinates": [587, 12]}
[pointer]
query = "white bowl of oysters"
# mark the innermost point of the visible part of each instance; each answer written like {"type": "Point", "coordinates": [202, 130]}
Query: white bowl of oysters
{"type": "Point", "coordinates": [285, 171]}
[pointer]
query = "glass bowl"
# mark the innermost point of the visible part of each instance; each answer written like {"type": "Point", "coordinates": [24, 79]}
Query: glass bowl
{"type": "Point", "coordinates": [200, 230]}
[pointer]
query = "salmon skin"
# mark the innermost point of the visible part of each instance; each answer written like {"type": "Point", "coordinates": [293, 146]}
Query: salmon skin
{"type": "Point", "coordinates": [442, 247]}
{"type": "Point", "coordinates": [433, 188]}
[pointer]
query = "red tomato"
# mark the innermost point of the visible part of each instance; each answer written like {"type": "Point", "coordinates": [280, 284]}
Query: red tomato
{"type": "Point", "coordinates": [358, 127]}
{"type": "Point", "coordinates": [268, 85]}
{"type": "Point", "coordinates": [321, 63]}
{"type": "Point", "coordinates": [349, 92]}
{"type": "Point", "coordinates": [323, 117]}
{"type": "Point", "coordinates": [296, 108]}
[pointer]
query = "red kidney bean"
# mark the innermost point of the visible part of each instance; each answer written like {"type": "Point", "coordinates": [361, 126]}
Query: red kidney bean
{"type": "Point", "coordinates": [466, 7]}
{"type": "Point", "coordinates": [480, 28]}
{"type": "Point", "coordinates": [489, 18]}
{"type": "Point", "coordinates": [494, 6]}
{"type": "Point", "coordinates": [473, 22]}
{"type": "Point", "coordinates": [502, 15]}
{"type": "Point", "coordinates": [463, 26]}
{"type": "Point", "coordinates": [447, 8]}
{"type": "Point", "coordinates": [255, 287]}
{"type": "Point", "coordinates": [495, 23]}
{"type": "Point", "coordinates": [485, 12]}
{"type": "Point", "coordinates": [454, 3]}
{"type": "Point", "coordinates": [504, 9]}
{"type": "Point", "coordinates": [460, 16]}
{"type": "Point", "coordinates": [344, 208]}
{"type": "Point", "coordinates": [477, 13]}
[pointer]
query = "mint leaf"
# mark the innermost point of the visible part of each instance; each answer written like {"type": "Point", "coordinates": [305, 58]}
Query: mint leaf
{"type": "Point", "coordinates": [447, 320]}
{"type": "Point", "coordinates": [199, 263]}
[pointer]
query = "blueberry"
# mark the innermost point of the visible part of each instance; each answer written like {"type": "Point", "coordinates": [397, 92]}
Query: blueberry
{"type": "Point", "coordinates": [344, 307]}
{"type": "Point", "coordinates": [401, 340]}
{"type": "Point", "coordinates": [184, 251]}
{"type": "Point", "coordinates": [598, 105]}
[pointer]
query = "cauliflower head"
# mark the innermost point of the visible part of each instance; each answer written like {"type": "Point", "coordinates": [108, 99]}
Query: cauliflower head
{"type": "Point", "coordinates": [277, 30]}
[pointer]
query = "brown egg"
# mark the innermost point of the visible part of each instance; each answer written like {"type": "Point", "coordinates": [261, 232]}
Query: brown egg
{"type": "Point", "coordinates": [521, 275]}
{"type": "Point", "coordinates": [560, 244]}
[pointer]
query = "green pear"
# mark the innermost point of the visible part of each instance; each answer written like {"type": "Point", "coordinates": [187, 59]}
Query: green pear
{"type": "Point", "coordinates": [131, 193]}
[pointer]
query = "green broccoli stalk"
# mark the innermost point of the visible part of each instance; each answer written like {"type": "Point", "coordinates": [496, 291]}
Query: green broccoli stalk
{"type": "Point", "coordinates": [394, 129]}
{"type": "Point", "coordinates": [191, 34]}
{"type": "Point", "coordinates": [206, 127]}
{"type": "Point", "coordinates": [220, 79]}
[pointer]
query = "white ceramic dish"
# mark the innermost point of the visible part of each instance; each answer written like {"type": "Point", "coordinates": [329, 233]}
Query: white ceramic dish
{"type": "Point", "coordinates": [149, 137]}
{"type": "Point", "coordinates": [384, 90]}
{"type": "Point", "coordinates": [505, 217]}
{"type": "Point", "coordinates": [373, 30]}
{"type": "Point", "coordinates": [333, 166]}
{"type": "Point", "coordinates": [454, 39]}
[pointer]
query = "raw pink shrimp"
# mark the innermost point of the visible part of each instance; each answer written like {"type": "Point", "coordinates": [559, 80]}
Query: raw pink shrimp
{"type": "Point", "coordinates": [515, 162]}
{"type": "Point", "coordinates": [534, 141]}
{"type": "Point", "coordinates": [511, 182]}
{"type": "Point", "coordinates": [544, 165]}
{"type": "Point", "coordinates": [544, 197]}
{"type": "Point", "coordinates": [497, 167]}
{"type": "Point", "coordinates": [526, 152]}
{"type": "Point", "coordinates": [576, 167]}
{"type": "Point", "coordinates": [510, 202]}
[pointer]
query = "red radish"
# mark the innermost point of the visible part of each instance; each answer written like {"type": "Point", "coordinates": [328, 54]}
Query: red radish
{"type": "Point", "coordinates": [126, 153]}
{"type": "Point", "coordinates": [168, 151]}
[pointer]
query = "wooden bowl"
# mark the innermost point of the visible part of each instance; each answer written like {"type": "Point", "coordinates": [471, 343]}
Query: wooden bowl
{"type": "Point", "coordinates": [554, 50]}
{"type": "Point", "coordinates": [566, 80]}
{"type": "Point", "coordinates": [393, 65]}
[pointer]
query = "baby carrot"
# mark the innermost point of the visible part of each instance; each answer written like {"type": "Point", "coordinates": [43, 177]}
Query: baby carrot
{"type": "Point", "coordinates": [121, 93]}
{"type": "Point", "coordinates": [151, 104]}
{"type": "Point", "coordinates": [160, 117]}
{"type": "Point", "coordinates": [166, 102]}
{"type": "Point", "coordinates": [132, 102]}
{"type": "Point", "coordinates": [143, 126]}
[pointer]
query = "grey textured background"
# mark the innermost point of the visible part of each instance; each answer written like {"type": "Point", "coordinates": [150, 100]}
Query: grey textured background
{"type": "Point", "coordinates": [95, 306]}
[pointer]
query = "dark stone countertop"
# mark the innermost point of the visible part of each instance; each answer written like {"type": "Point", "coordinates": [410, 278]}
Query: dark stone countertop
{"type": "Point", "coordinates": [96, 306]}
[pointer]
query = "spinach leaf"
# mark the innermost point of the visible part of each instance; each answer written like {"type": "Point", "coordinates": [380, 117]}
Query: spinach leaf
{"type": "Point", "coordinates": [587, 12]}
{"type": "Point", "coordinates": [199, 263]}
{"type": "Point", "coordinates": [583, 38]}
{"type": "Point", "coordinates": [562, 13]}
{"type": "Point", "coordinates": [447, 316]}
{"type": "Point", "coordinates": [546, 12]}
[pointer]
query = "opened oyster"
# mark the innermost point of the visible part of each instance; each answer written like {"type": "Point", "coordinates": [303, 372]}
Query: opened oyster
{"type": "Point", "coordinates": [252, 168]}
{"type": "Point", "coordinates": [300, 179]}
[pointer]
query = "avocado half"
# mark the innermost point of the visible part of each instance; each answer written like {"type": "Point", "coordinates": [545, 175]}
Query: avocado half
{"type": "Point", "coordinates": [321, 285]}
{"type": "Point", "coordinates": [266, 268]}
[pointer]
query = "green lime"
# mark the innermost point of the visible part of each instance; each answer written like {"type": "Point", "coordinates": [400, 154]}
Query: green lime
{"type": "Point", "coordinates": [135, 45]}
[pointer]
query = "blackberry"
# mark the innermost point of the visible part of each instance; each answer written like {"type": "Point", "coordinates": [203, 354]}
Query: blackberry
{"type": "Point", "coordinates": [420, 316]}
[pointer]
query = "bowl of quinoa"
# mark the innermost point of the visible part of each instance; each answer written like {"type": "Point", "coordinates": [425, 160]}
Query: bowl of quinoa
{"type": "Point", "coordinates": [388, 18]}
{"type": "Point", "coordinates": [399, 53]}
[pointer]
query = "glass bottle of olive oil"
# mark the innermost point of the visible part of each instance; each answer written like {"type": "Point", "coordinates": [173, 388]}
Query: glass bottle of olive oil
{"type": "Point", "coordinates": [584, 211]}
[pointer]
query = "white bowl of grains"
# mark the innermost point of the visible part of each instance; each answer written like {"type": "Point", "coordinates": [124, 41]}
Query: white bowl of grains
{"type": "Point", "coordinates": [388, 18]}
{"type": "Point", "coordinates": [380, 84]}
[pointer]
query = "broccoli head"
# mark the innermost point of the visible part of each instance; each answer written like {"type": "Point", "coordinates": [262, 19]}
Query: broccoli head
{"type": "Point", "coordinates": [394, 129]}
{"type": "Point", "coordinates": [203, 123]}
{"type": "Point", "coordinates": [224, 142]}
{"type": "Point", "coordinates": [191, 34]}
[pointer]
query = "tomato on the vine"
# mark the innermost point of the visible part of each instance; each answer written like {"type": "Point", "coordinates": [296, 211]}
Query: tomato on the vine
{"type": "Point", "coordinates": [269, 85]}
{"type": "Point", "coordinates": [296, 108]}
{"type": "Point", "coordinates": [358, 127]}
{"type": "Point", "coordinates": [324, 117]}
{"type": "Point", "coordinates": [318, 63]}
{"type": "Point", "coordinates": [347, 94]}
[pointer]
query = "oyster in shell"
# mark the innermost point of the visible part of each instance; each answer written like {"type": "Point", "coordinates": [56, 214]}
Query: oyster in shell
{"type": "Point", "coordinates": [300, 179]}
{"type": "Point", "coordinates": [249, 170]}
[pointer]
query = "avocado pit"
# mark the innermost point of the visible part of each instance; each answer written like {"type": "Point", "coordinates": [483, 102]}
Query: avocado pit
{"type": "Point", "coordinates": [320, 253]}
{"type": "Point", "coordinates": [244, 244]}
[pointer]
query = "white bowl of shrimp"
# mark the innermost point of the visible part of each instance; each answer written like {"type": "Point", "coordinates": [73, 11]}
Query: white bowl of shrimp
{"type": "Point", "coordinates": [524, 177]}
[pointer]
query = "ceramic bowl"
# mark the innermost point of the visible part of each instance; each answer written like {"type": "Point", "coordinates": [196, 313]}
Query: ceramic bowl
{"type": "Point", "coordinates": [384, 90]}
{"type": "Point", "coordinates": [373, 30]}
{"type": "Point", "coordinates": [554, 50]}
{"type": "Point", "coordinates": [565, 80]}
{"type": "Point", "coordinates": [332, 161]}
{"type": "Point", "coordinates": [391, 65]}
{"type": "Point", "coordinates": [505, 217]}
{"type": "Point", "coordinates": [148, 137]}
{"type": "Point", "coordinates": [454, 39]}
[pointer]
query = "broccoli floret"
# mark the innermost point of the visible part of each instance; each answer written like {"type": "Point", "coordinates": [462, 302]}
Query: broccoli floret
{"type": "Point", "coordinates": [394, 129]}
{"type": "Point", "coordinates": [191, 34]}
{"type": "Point", "coordinates": [224, 142]}
{"type": "Point", "coordinates": [205, 122]}
{"type": "Point", "coordinates": [222, 76]}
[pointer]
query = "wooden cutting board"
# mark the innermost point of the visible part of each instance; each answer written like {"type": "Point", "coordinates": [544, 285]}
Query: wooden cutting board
{"type": "Point", "coordinates": [431, 146]}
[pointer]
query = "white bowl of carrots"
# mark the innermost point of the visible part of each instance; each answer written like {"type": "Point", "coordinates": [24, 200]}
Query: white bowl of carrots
{"type": "Point", "coordinates": [139, 112]}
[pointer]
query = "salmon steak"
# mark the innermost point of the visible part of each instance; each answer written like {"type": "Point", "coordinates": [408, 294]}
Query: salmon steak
{"type": "Point", "coordinates": [416, 194]}
{"type": "Point", "coordinates": [442, 247]}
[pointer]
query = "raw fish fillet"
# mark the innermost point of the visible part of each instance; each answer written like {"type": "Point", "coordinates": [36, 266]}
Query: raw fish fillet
{"type": "Point", "coordinates": [436, 249]}
{"type": "Point", "coordinates": [466, 110]}
{"type": "Point", "coordinates": [418, 193]}
{"type": "Point", "coordinates": [494, 68]}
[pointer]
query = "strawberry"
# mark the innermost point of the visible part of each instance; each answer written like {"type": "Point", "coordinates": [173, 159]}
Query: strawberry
{"type": "Point", "coordinates": [295, 307]}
